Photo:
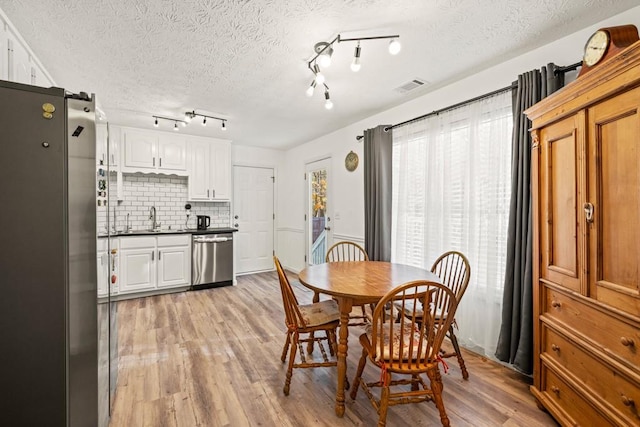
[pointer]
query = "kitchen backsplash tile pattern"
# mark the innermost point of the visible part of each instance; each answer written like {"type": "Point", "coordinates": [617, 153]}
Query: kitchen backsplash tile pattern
{"type": "Point", "coordinates": [169, 195]}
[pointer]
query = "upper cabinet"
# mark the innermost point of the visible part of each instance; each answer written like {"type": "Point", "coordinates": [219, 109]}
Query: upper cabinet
{"type": "Point", "coordinates": [17, 64]}
{"type": "Point", "coordinates": [107, 145]}
{"type": "Point", "coordinates": [153, 152]}
{"type": "Point", "coordinates": [210, 170]}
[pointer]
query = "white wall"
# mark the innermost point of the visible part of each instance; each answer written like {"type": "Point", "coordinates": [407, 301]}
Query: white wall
{"type": "Point", "coordinates": [348, 194]}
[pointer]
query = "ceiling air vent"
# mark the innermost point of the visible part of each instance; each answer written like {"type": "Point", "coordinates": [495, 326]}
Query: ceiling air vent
{"type": "Point", "coordinates": [411, 85]}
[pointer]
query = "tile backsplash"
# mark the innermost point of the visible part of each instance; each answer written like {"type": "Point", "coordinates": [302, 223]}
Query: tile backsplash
{"type": "Point", "coordinates": [169, 195]}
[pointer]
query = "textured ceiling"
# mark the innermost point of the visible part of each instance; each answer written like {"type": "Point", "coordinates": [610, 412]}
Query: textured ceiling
{"type": "Point", "coordinates": [246, 60]}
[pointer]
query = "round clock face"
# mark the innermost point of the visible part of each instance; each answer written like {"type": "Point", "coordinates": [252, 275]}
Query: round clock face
{"type": "Point", "coordinates": [595, 48]}
{"type": "Point", "coordinates": [351, 161]}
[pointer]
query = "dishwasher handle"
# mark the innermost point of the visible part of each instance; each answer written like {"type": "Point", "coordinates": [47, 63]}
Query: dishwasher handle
{"type": "Point", "coordinates": [206, 239]}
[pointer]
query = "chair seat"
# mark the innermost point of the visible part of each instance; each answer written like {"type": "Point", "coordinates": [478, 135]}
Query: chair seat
{"type": "Point", "coordinates": [410, 348]}
{"type": "Point", "coordinates": [320, 313]}
{"type": "Point", "coordinates": [408, 309]}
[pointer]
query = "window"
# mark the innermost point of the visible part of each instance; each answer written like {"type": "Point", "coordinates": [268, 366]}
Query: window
{"type": "Point", "coordinates": [451, 191]}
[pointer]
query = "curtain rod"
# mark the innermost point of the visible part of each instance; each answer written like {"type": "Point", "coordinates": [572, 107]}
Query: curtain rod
{"type": "Point", "coordinates": [450, 107]}
{"type": "Point", "coordinates": [477, 98]}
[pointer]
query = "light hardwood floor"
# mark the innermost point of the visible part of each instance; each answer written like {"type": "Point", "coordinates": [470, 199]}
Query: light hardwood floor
{"type": "Point", "coordinates": [212, 358]}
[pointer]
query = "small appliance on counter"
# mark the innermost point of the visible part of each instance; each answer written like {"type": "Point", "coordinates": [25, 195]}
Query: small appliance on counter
{"type": "Point", "coordinates": [203, 222]}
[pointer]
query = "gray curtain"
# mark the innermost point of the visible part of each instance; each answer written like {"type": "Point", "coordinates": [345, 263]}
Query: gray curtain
{"type": "Point", "coordinates": [515, 344]}
{"type": "Point", "coordinates": [377, 193]}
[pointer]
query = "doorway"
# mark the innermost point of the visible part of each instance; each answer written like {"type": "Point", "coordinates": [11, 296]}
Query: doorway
{"type": "Point", "coordinates": [318, 218]}
{"type": "Point", "coordinates": [254, 218]}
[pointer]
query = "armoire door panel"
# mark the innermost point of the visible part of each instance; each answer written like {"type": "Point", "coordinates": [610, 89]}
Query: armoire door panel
{"type": "Point", "coordinates": [559, 203]}
{"type": "Point", "coordinates": [615, 194]}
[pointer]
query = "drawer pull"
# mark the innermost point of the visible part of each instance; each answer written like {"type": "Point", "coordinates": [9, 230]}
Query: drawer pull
{"type": "Point", "coordinates": [555, 348]}
{"type": "Point", "coordinates": [556, 304]}
{"type": "Point", "coordinates": [627, 401]}
{"type": "Point", "coordinates": [627, 342]}
{"type": "Point", "coordinates": [556, 390]}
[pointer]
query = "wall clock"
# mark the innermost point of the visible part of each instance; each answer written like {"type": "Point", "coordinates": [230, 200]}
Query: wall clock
{"type": "Point", "coordinates": [606, 43]}
{"type": "Point", "coordinates": [351, 161]}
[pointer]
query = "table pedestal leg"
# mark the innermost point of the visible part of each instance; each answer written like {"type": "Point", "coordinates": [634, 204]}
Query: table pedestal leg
{"type": "Point", "coordinates": [345, 309]}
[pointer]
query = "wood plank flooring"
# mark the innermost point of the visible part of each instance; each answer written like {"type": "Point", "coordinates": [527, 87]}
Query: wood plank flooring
{"type": "Point", "coordinates": [212, 358]}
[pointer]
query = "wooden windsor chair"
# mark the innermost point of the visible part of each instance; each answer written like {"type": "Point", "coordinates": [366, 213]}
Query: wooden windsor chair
{"type": "Point", "coordinates": [345, 252]}
{"type": "Point", "coordinates": [406, 349]}
{"type": "Point", "coordinates": [454, 270]}
{"type": "Point", "coordinates": [306, 319]}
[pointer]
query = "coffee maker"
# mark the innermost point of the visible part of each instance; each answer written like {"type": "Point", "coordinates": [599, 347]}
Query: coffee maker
{"type": "Point", "coordinates": [203, 222]}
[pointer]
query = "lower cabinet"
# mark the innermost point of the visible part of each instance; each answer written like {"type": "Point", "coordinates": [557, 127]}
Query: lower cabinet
{"type": "Point", "coordinates": [107, 268]}
{"type": "Point", "coordinates": [148, 263]}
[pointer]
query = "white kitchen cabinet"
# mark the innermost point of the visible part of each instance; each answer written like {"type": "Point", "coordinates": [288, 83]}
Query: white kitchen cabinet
{"type": "Point", "coordinates": [19, 66]}
{"type": "Point", "coordinates": [209, 171]}
{"type": "Point", "coordinates": [174, 261]}
{"type": "Point", "coordinates": [154, 262]}
{"type": "Point", "coordinates": [137, 264]}
{"type": "Point", "coordinates": [4, 51]}
{"type": "Point", "coordinates": [154, 152]}
{"type": "Point", "coordinates": [107, 137]}
{"type": "Point", "coordinates": [107, 268]}
{"type": "Point", "coordinates": [38, 76]}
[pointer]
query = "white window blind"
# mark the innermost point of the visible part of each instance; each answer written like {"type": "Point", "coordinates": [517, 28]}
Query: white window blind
{"type": "Point", "coordinates": [451, 190]}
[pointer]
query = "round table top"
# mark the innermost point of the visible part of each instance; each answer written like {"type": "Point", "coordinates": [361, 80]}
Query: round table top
{"type": "Point", "coordinates": [361, 279]}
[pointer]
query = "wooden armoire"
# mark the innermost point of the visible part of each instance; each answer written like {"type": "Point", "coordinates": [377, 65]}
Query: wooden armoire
{"type": "Point", "coordinates": [585, 175]}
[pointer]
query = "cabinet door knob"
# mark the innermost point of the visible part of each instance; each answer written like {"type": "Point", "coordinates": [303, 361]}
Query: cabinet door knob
{"type": "Point", "coordinates": [236, 217]}
{"type": "Point", "coordinates": [588, 212]}
{"type": "Point", "coordinates": [627, 401]}
{"type": "Point", "coordinates": [556, 390]}
{"type": "Point", "coordinates": [556, 304]}
{"type": "Point", "coordinates": [235, 225]}
{"type": "Point", "coordinates": [555, 348]}
{"type": "Point", "coordinates": [627, 342]}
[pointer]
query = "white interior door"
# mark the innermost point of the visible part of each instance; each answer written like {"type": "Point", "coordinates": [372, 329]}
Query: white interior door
{"type": "Point", "coordinates": [253, 217]}
{"type": "Point", "coordinates": [318, 217]}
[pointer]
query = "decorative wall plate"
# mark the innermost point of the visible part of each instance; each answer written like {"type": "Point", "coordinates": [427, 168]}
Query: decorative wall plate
{"type": "Point", "coordinates": [351, 161]}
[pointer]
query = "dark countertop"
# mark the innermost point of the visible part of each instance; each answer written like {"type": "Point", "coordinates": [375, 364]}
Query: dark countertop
{"type": "Point", "coordinates": [164, 232]}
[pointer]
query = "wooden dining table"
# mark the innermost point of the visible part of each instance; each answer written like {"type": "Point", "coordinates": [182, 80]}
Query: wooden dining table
{"type": "Point", "coordinates": [354, 283]}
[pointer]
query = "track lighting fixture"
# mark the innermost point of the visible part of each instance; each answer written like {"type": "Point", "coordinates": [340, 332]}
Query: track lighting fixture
{"type": "Point", "coordinates": [175, 122]}
{"type": "Point", "coordinates": [311, 88]}
{"type": "Point", "coordinates": [394, 47]}
{"type": "Point", "coordinates": [192, 114]}
{"type": "Point", "coordinates": [355, 65]}
{"type": "Point", "coordinates": [324, 50]}
{"type": "Point", "coordinates": [319, 75]}
{"type": "Point", "coordinates": [328, 104]}
{"type": "Point", "coordinates": [322, 58]}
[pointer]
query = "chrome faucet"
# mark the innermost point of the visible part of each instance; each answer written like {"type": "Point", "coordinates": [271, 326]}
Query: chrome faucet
{"type": "Point", "coordinates": [127, 227]}
{"type": "Point", "coordinates": [152, 218]}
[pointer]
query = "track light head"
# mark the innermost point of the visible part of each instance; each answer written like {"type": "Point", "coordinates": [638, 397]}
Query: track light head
{"type": "Point", "coordinates": [328, 104]}
{"type": "Point", "coordinates": [355, 65]}
{"type": "Point", "coordinates": [394, 47]}
{"type": "Point", "coordinates": [224, 126]}
{"type": "Point", "coordinates": [311, 88]}
{"type": "Point", "coordinates": [155, 124]}
{"type": "Point", "coordinates": [188, 116]}
{"type": "Point", "coordinates": [204, 121]}
{"type": "Point", "coordinates": [175, 127]}
{"type": "Point", "coordinates": [324, 51]}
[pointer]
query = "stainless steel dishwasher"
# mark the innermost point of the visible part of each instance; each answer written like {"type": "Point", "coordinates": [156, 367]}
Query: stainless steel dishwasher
{"type": "Point", "coordinates": [212, 260]}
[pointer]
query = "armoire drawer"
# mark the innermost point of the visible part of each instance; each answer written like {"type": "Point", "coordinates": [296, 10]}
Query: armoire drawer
{"type": "Point", "coordinates": [603, 382]}
{"type": "Point", "coordinates": [568, 402]}
{"type": "Point", "coordinates": [613, 336]}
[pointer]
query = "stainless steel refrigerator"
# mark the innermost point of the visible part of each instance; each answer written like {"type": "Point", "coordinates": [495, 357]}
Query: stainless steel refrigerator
{"type": "Point", "coordinates": [48, 310]}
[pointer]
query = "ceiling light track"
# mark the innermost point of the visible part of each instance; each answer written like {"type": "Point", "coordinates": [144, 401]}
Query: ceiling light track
{"type": "Point", "coordinates": [189, 115]}
{"type": "Point", "coordinates": [322, 58]}
{"type": "Point", "coordinates": [170, 119]}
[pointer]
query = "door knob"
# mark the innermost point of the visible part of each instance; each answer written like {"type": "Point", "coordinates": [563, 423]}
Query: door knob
{"type": "Point", "coordinates": [327, 228]}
